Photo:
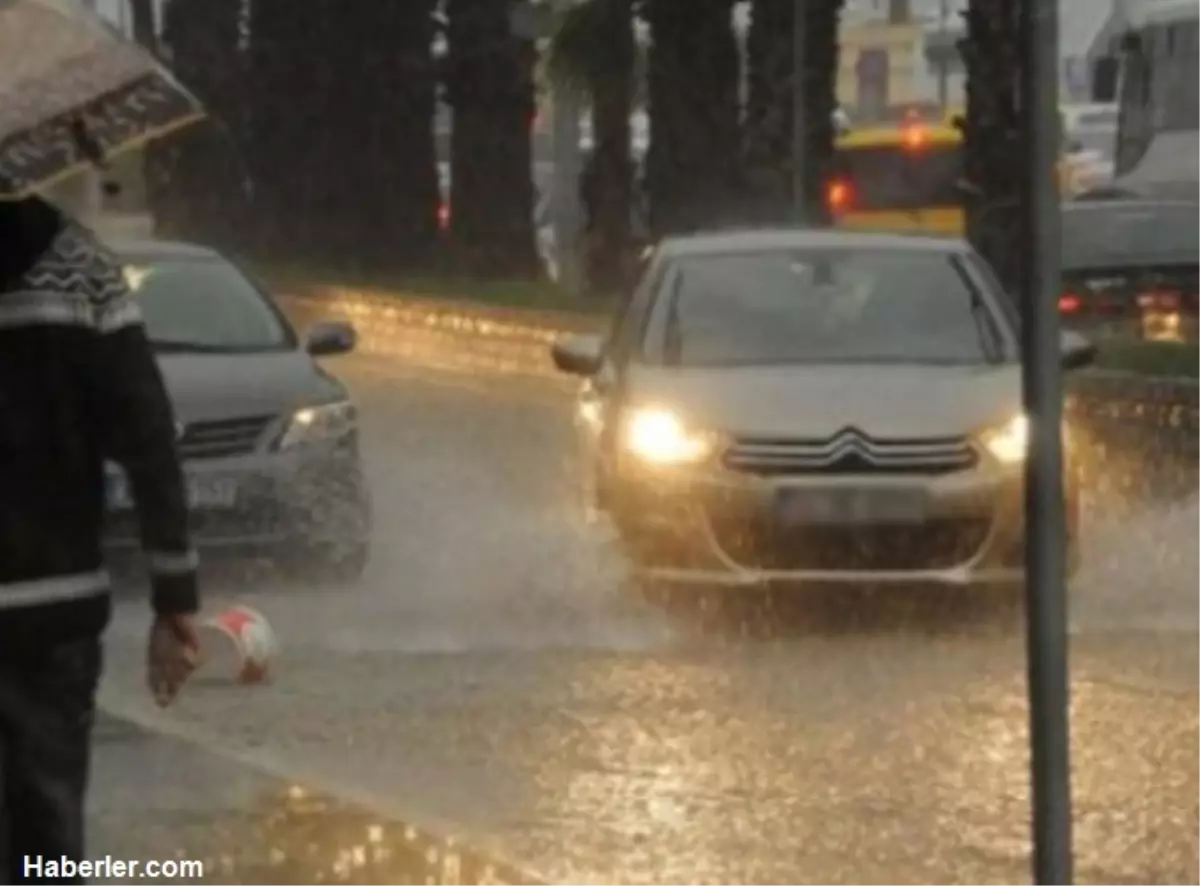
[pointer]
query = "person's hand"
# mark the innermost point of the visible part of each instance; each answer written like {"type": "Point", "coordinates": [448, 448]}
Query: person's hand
{"type": "Point", "coordinates": [173, 653]}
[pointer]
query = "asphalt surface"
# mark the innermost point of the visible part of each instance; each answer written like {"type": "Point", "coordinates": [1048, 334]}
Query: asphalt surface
{"type": "Point", "coordinates": [493, 677]}
{"type": "Point", "coordinates": [180, 813]}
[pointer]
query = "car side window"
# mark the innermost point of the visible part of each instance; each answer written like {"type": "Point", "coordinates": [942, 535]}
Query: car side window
{"type": "Point", "coordinates": [628, 324]}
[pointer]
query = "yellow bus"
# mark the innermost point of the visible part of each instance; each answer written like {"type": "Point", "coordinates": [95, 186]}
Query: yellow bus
{"type": "Point", "coordinates": [904, 178]}
{"type": "Point", "coordinates": [899, 178]}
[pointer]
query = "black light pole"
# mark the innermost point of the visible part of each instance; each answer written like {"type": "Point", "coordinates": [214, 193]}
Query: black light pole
{"type": "Point", "coordinates": [1045, 518]}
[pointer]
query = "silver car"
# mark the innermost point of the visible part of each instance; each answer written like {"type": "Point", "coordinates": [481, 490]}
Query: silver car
{"type": "Point", "coordinates": [790, 407]}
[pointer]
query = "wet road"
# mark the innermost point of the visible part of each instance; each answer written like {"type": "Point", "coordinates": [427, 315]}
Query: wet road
{"type": "Point", "coordinates": [490, 675]}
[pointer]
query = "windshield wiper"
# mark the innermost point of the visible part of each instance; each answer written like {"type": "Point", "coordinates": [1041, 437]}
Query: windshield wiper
{"type": "Point", "coordinates": [191, 347]}
{"type": "Point", "coordinates": [673, 335]}
{"type": "Point", "coordinates": [992, 347]}
{"type": "Point", "coordinates": [985, 328]}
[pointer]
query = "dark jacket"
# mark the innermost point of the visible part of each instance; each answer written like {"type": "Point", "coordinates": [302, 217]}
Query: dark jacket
{"type": "Point", "coordinates": [78, 385]}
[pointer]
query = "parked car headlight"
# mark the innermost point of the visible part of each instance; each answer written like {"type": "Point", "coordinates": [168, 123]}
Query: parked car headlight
{"type": "Point", "coordinates": [659, 437]}
{"type": "Point", "coordinates": [327, 421]}
{"type": "Point", "coordinates": [1009, 443]}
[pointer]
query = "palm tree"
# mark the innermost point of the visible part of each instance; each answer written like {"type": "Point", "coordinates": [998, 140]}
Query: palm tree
{"type": "Point", "coordinates": [196, 175]}
{"type": "Point", "coordinates": [770, 73]}
{"type": "Point", "coordinates": [768, 126]}
{"type": "Point", "coordinates": [489, 83]}
{"type": "Point", "coordinates": [593, 51]}
{"type": "Point", "coordinates": [991, 127]}
{"type": "Point", "coordinates": [341, 140]}
{"type": "Point", "coordinates": [287, 124]}
{"type": "Point", "coordinates": [379, 189]}
{"type": "Point", "coordinates": [693, 169]}
{"type": "Point", "coordinates": [145, 23]}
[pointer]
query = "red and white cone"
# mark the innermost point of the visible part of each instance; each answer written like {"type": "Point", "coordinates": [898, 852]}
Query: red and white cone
{"type": "Point", "coordinates": [253, 643]}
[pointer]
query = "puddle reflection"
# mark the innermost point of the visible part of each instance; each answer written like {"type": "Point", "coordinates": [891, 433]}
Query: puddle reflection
{"type": "Point", "coordinates": [300, 837]}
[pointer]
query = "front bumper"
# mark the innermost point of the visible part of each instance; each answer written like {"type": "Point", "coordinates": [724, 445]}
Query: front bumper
{"type": "Point", "coordinates": [308, 494]}
{"type": "Point", "coordinates": [717, 528]}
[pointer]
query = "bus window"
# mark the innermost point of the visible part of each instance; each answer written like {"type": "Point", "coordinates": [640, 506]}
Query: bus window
{"type": "Point", "coordinates": [885, 178]}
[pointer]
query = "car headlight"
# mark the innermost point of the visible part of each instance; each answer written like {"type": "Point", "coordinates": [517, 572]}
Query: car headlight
{"type": "Point", "coordinates": [327, 421]}
{"type": "Point", "coordinates": [1009, 443]}
{"type": "Point", "coordinates": [659, 437]}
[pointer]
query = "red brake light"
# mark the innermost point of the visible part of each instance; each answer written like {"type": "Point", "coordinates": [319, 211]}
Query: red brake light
{"type": "Point", "coordinates": [839, 196]}
{"type": "Point", "coordinates": [915, 137]}
{"type": "Point", "coordinates": [1069, 303]}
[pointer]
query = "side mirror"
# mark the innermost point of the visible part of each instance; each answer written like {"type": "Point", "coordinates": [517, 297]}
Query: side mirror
{"type": "Point", "coordinates": [578, 355]}
{"type": "Point", "coordinates": [1077, 351]}
{"type": "Point", "coordinates": [331, 337]}
{"type": "Point", "coordinates": [1105, 74]}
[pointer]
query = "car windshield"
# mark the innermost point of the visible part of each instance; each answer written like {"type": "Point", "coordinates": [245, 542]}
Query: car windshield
{"type": "Point", "coordinates": [844, 306]}
{"type": "Point", "coordinates": [202, 303]}
{"type": "Point", "coordinates": [1116, 235]}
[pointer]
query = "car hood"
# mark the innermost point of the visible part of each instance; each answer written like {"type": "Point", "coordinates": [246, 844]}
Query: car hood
{"type": "Point", "coordinates": [207, 387]}
{"type": "Point", "coordinates": [883, 401]}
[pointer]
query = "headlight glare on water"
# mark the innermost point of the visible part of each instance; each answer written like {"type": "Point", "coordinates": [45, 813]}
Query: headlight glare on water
{"type": "Point", "coordinates": [659, 437]}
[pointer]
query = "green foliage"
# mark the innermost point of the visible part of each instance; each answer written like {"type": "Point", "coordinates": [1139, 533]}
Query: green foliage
{"type": "Point", "coordinates": [489, 84]}
{"type": "Point", "coordinates": [693, 170]}
{"type": "Point", "coordinates": [542, 295]}
{"type": "Point", "coordinates": [992, 178]}
{"type": "Point", "coordinates": [577, 57]}
{"type": "Point", "coordinates": [1153, 358]}
{"type": "Point", "coordinates": [768, 129]}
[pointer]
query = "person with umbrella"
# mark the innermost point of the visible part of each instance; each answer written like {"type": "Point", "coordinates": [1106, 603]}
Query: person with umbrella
{"type": "Point", "coordinates": [79, 385]}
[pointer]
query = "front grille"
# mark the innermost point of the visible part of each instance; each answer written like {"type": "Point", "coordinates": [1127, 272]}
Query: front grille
{"type": "Point", "coordinates": [224, 438]}
{"type": "Point", "coordinates": [257, 519]}
{"type": "Point", "coordinates": [751, 541]}
{"type": "Point", "coordinates": [850, 454]}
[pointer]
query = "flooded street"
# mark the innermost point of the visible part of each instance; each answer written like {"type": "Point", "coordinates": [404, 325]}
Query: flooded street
{"type": "Point", "coordinates": [494, 677]}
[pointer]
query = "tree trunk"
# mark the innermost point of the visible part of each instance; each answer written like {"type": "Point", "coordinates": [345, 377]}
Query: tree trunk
{"type": "Point", "coordinates": [145, 23]}
{"type": "Point", "coordinates": [378, 194]}
{"type": "Point", "coordinates": [693, 167]}
{"type": "Point", "coordinates": [197, 175]}
{"type": "Point", "coordinates": [490, 88]}
{"type": "Point", "coordinates": [289, 123]}
{"type": "Point", "coordinates": [990, 55]}
{"type": "Point", "coordinates": [769, 108]}
{"type": "Point", "coordinates": [821, 53]}
{"type": "Point", "coordinates": [768, 131]}
{"type": "Point", "coordinates": [342, 133]}
{"type": "Point", "coordinates": [612, 169]}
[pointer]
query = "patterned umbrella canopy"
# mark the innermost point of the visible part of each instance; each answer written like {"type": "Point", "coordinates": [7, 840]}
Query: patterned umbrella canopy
{"type": "Point", "coordinates": [73, 91]}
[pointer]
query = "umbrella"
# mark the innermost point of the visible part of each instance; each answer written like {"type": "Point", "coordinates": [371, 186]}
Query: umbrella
{"type": "Point", "coordinates": [74, 92]}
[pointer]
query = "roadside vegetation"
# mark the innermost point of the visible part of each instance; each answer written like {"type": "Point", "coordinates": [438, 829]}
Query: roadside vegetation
{"type": "Point", "coordinates": [1153, 358]}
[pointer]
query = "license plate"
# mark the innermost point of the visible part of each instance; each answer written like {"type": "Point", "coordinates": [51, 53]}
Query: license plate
{"type": "Point", "coordinates": [202, 492]}
{"type": "Point", "coordinates": [849, 507]}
